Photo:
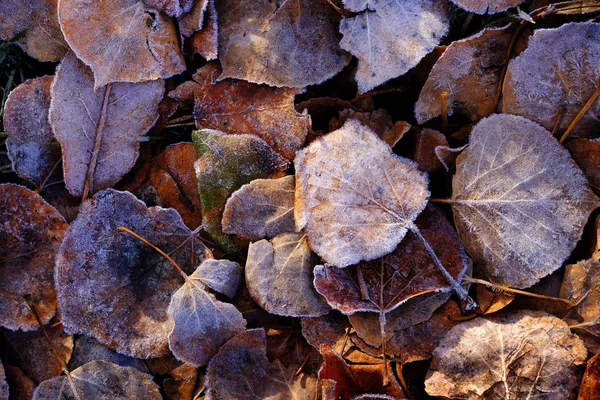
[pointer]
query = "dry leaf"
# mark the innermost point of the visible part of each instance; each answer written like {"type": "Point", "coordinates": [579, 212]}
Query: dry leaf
{"type": "Point", "coordinates": [391, 37]}
{"type": "Point", "coordinates": [32, 148]}
{"type": "Point", "coordinates": [225, 163]}
{"type": "Point", "coordinates": [37, 22]}
{"type": "Point", "coordinates": [115, 288]}
{"type": "Point", "coordinates": [519, 201]}
{"type": "Point", "coordinates": [31, 232]}
{"type": "Point", "coordinates": [486, 6]}
{"type": "Point", "coordinates": [193, 20]}
{"type": "Point", "coordinates": [21, 386]}
{"type": "Point", "coordinates": [100, 380]}
{"type": "Point", "coordinates": [492, 301]}
{"type": "Point", "coordinates": [508, 356]}
{"type": "Point", "coordinates": [121, 40]}
{"type": "Point", "coordinates": [555, 76]}
{"type": "Point", "coordinates": [202, 324]}
{"type": "Point", "coordinates": [263, 208]}
{"type": "Point", "coordinates": [88, 349]}
{"type": "Point", "coordinates": [3, 385]}
{"type": "Point", "coordinates": [379, 121]}
{"type": "Point", "coordinates": [235, 106]}
{"type": "Point", "coordinates": [279, 276]}
{"type": "Point", "coordinates": [99, 130]}
{"type": "Point", "coordinates": [293, 44]}
{"type": "Point", "coordinates": [173, 8]}
{"type": "Point", "coordinates": [468, 72]}
{"type": "Point", "coordinates": [590, 384]}
{"type": "Point", "coordinates": [353, 213]}
{"type": "Point", "coordinates": [331, 329]}
{"type": "Point", "coordinates": [206, 41]}
{"type": "Point", "coordinates": [586, 153]}
{"type": "Point", "coordinates": [181, 383]}
{"type": "Point", "coordinates": [425, 155]}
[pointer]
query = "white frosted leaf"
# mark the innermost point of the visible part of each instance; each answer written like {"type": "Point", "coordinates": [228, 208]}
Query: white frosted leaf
{"type": "Point", "coordinates": [223, 276]}
{"type": "Point", "coordinates": [486, 6]}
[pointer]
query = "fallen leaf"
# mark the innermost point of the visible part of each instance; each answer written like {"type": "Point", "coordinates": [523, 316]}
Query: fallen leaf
{"type": "Point", "coordinates": [379, 121]}
{"type": "Point", "coordinates": [486, 6]}
{"type": "Point", "coordinates": [586, 153]}
{"type": "Point", "coordinates": [33, 24]}
{"type": "Point", "coordinates": [121, 40]}
{"type": "Point", "coordinates": [88, 349]}
{"type": "Point", "coordinates": [32, 148]}
{"type": "Point", "coordinates": [492, 301]}
{"type": "Point", "coordinates": [514, 355]}
{"type": "Point", "coordinates": [31, 232]}
{"type": "Point", "coordinates": [194, 20]}
{"type": "Point", "coordinates": [352, 213]}
{"type": "Point", "coordinates": [293, 44]}
{"type": "Point", "coordinates": [3, 385]}
{"type": "Point", "coordinates": [519, 201]}
{"type": "Point", "coordinates": [173, 8]}
{"type": "Point", "coordinates": [123, 303]}
{"type": "Point", "coordinates": [225, 163]}
{"type": "Point", "coordinates": [263, 208]}
{"type": "Point", "coordinates": [553, 78]}
{"type": "Point", "coordinates": [425, 155]}
{"type": "Point", "coordinates": [21, 387]}
{"type": "Point", "coordinates": [391, 37]}
{"type": "Point", "coordinates": [590, 384]}
{"type": "Point", "coordinates": [331, 329]}
{"type": "Point", "coordinates": [206, 41]}
{"type": "Point", "coordinates": [181, 383]}
{"type": "Point", "coordinates": [279, 276]}
{"type": "Point", "coordinates": [97, 127]}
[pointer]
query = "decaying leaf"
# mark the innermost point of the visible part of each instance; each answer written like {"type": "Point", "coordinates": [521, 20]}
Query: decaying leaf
{"type": "Point", "coordinates": [391, 37]}
{"type": "Point", "coordinates": [331, 329]}
{"type": "Point", "coordinates": [353, 213]}
{"type": "Point", "coordinates": [519, 201]}
{"type": "Point", "coordinates": [555, 76]}
{"type": "Point", "coordinates": [112, 286]}
{"type": "Point", "coordinates": [3, 385]}
{"type": "Point", "coordinates": [21, 387]}
{"type": "Point", "coordinates": [32, 148]}
{"type": "Point", "coordinates": [586, 153]}
{"type": "Point", "coordinates": [379, 121]}
{"type": "Point", "coordinates": [508, 356]}
{"type": "Point", "coordinates": [590, 384]}
{"type": "Point", "coordinates": [263, 208]}
{"type": "Point", "coordinates": [173, 8]}
{"type": "Point", "coordinates": [468, 72]}
{"type": "Point", "coordinates": [288, 43]}
{"type": "Point", "coordinates": [202, 324]}
{"type": "Point", "coordinates": [99, 130]}
{"type": "Point", "coordinates": [279, 276]}
{"type": "Point", "coordinates": [486, 6]}
{"type": "Point", "coordinates": [206, 41]}
{"type": "Point", "coordinates": [100, 380]}
{"type": "Point", "coordinates": [31, 232]}
{"type": "Point", "coordinates": [236, 106]}
{"type": "Point", "coordinates": [88, 349]}
{"type": "Point", "coordinates": [121, 40]}
{"type": "Point", "coordinates": [35, 24]}
{"type": "Point", "coordinates": [181, 383]}
{"type": "Point", "coordinates": [241, 371]}
{"type": "Point", "coordinates": [225, 163]}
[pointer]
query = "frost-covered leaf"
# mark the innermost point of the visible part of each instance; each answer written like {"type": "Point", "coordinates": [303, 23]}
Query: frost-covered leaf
{"type": "Point", "coordinates": [115, 288]}
{"type": "Point", "coordinates": [508, 356]}
{"type": "Point", "coordinates": [241, 371]}
{"type": "Point", "coordinates": [225, 163]}
{"type": "Point", "coordinates": [379, 121]}
{"type": "Point", "coordinates": [35, 24]}
{"type": "Point", "coordinates": [469, 72]}
{"type": "Point", "coordinates": [99, 130]}
{"type": "Point", "coordinates": [331, 329]}
{"type": "Point", "coordinates": [206, 41]}
{"type": "Point", "coordinates": [31, 145]}
{"type": "Point", "coordinates": [173, 8]}
{"type": "Point", "coordinates": [586, 153]}
{"type": "Point", "coordinates": [353, 213]}
{"type": "Point", "coordinates": [287, 43]}
{"type": "Point", "coordinates": [236, 106]}
{"type": "Point", "coordinates": [519, 201]}
{"type": "Point", "coordinates": [390, 37]}
{"type": "Point", "coordinates": [31, 232]}
{"type": "Point", "coordinates": [88, 349]}
{"type": "Point", "coordinates": [3, 385]}
{"type": "Point", "coordinates": [555, 76]}
{"type": "Point", "coordinates": [100, 380]}
{"type": "Point", "coordinates": [279, 276]}
{"type": "Point", "coordinates": [263, 208]}
{"type": "Point", "coordinates": [121, 40]}
{"type": "Point", "coordinates": [202, 324]}
{"type": "Point", "coordinates": [193, 20]}
{"type": "Point", "coordinates": [486, 6]}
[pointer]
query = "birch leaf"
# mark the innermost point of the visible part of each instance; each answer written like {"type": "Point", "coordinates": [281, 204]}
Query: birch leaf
{"type": "Point", "coordinates": [353, 213]}
{"type": "Point", "coordinates": [508, 356]}
{"type": "Point", "coordinates": [486, 6]}
{"type": "Point", "coordinates": [96, 128]}
{"type": "Point", "coordinates": [519, 201]}
{"type": "Point", "coordinates": [391, 37]}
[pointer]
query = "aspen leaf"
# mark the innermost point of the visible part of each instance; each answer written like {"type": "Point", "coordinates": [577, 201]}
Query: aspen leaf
{"type": "Point", "coordinates": [391, 37]}
{"type": "Point", "coordinates": [3, 385]}
{"type": "Point", "coordinates": [95, 128]}
{"type": "Point", "coordinates": [88, 349]}
{"type": "Point", "coordinates": [379, 121]}
{"type": "Point", "coordinates": [486, 6]}
{"type": "Point", "coordinates": [31, 232]}
{"type": "Point", "coordinates": [222, 276]}
{"type": "Point", "coordinates": [293, 44]}
{"type": "Point", "coordinates": [519, 201]}
{"type": "Point", "coordinates": [173, 8]}
{"type": "Point", "coordinates": [511, 355]}
{"type": "Point", "coordinates": [121, 40]}
{"type": "Point", "coordinates": [353, 213]}
{"type": "Point", "coordinates": [112, 286]}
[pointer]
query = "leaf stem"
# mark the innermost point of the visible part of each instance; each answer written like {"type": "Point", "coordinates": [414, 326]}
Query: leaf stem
{"type": "Point", "coordinates": [443, 106]}
{"type": "Point", "coordinates": [180, 125]}
{"type": "Point", "coordinates": [443, 201]}
{"type": "Point", "coordinates": [517, 291]}
{"type": "Point", "coordinates": [581, 112]}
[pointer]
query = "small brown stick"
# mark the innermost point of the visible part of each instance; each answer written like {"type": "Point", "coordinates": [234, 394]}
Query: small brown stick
{"type": "Point", "coordinates": [377, 92]}
{"type": "Point", "coordinates": [517, 291]}
{"type": "Point", "coordinates": [581, 112]}
{"type": "Point", "coordinates": [301, 367]}
{"type": "Point", "coordinates": [183, 118]}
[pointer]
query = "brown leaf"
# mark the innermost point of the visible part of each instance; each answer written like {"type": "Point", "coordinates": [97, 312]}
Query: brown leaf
{"type": "Point", "coordinates": [193, 20]}
{"type": "Point", "coordinates": [112, 286]}
{"type": "Point", "coordinates": [205, 41]}
{"type": "Point", "coordinates": [21, 386]}
{"type": "Point", "coordinates": [330, 329]}
{"type": "Point", "coordinates": [31, 232]}
{"type": "Point", "coordinates": [554, 77]}
{"type": "Point", "coordinates": [121, 40]}
{"type": "Point", "coordinates": [490, 302]}
{"type": "Point", "coordinates": [3, 385]}
{"type": "Point", "coordinates": [590, 384]}
{"type": "Point", "coordinates": [173, 8]}
{"type": "Point", "coordinates": [379, 121]}
{"type": "Point", "coordinates": [261, 209]}
{"type": "Point", "coordinates": [519, 201]}
{"type": "Point", "coordinates": [37, 22]}
{"type": "Point", "coordinates": [353, 213]}
{"type": "Point", "coordinates": [586, 154]}
{"type": "Point", "coordinates": [486, 6]}
{"type": "Point", "coordinates": [96, 128]}
{"type": "Point", "coordinates": [391, 37]}
{"type": "Point", "coordinates": [88, 349]}
{"type": "Point", "coordinates": [181, 383]}
{"type": "Point", "coordinates": [293, 44]}
{"type": "Point", "coordinates": [514, 355]}
{"type": "Point", "coordinates": [425, 155]}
